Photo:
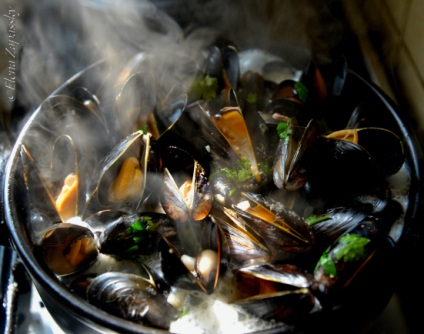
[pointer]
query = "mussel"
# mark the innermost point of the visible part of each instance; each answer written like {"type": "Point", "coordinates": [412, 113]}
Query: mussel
{"type": "Point", "coordinates": [194, 257]}
{"type": "Point", "coordinates": [121, 177]}
{"type": "Point", "coordinates": [63, 164]}
{"type": "Point", "coordinates": [66, 248]}
{"type": "Point", "coordinates": [384, 147]}
{"type": "Point", "coordinates": [356, 264]}
{"type": "Point", "coordinates": [186, 194]}
{"type": "Point", "coordinates": [130, 235]}
{"type": "Point", "coordinates": [244, 244]}
{"type": "Point", "coordinates": [285, 233]}
{"type": "Point", "coordinates": [275, 292]}
{"type": "Point", "coordinates": [132, 297]}
{"type": "Point", "coordinates": [294, 153]}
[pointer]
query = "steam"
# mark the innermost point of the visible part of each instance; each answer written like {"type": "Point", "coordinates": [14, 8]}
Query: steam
{"type": "Point", "coordinates": [60, 38]}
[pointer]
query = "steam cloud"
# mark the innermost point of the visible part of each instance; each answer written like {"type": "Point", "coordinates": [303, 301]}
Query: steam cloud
{"type": "Point", "coordinates": [60, 38]}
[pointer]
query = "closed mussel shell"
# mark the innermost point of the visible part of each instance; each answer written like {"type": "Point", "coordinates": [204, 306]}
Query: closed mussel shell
{"type": "Point", "coordinates": [131, 297]}
{"type": "Point", "coordinates": [356, 266]}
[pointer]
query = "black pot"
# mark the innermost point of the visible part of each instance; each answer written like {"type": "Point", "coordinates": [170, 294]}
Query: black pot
{"type": "Point", "coordinates": [74, 315]}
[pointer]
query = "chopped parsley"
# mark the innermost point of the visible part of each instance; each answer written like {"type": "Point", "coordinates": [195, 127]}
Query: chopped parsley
{"type": "Point", "coordinates": [145, 128]}
{"type": "Point", "coordinates": [206, 87]}
{"type": "Point", "coordinates": [240, 173]}
{"type": "Point", "coordinates": [251, 98]}
{"type": "Point", "coordinates": [314, 219]}
{"type": "Point", "coordinates": [284, 131]}
{"type": "Point", "coordinates": [327, 263]}
{"type": "Point", "coordinates": [265, 167]}
{"type": "Point", "coordinates": [351, 247]}
{"type": "Point", "coordinates": [185, 311]}
{"type": "Point", "coordinates": [138, 230]}
{"type": "Point", "coordinates": [301, 90]}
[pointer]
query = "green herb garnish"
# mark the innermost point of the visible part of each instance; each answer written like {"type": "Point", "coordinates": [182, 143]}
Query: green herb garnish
{"type": "Point", "coordinates": [143, 223]}
{"type": "Point", "coordinates": [327, 263]}
{"type": "Point", "coordinates": [138, 230]}
{"type": "Point", "coordinates": [251, 98]}
{"type": "Point", "coordinates": [185, 311]}
{"type": "Point", "coordinates": [205, 88]}
{"type": "Point", "coordinates": [301, 90]}
{"type": "Point", "coordinates": [284, 131]}
{"type": "Point", "coordinates": [265, 167]}
{"type": "Point", "coordinates": [352, 248]}
{"type": "Point", "coordinates": [241, 171]}
{"type": "Point", "coordinates": [314, 219]}
{"type": "Point", "coordinates": [145, 128]}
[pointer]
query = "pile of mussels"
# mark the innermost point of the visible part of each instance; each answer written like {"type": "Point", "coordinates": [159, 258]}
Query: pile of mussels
{"type": "Point", "coordinates": [232, 173]}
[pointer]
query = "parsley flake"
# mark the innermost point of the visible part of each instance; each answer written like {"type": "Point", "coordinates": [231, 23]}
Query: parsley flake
{"type": "Point", "coordinates": [352, 248]}
{"type": "Point", "coordinates": [327, 264]}
{"type": "Point", "coordinates": [314, 219]}
{"type": "Point", "coordinates": [205, 87]}
{"type": "Point", "coordinates": [240, 173]}
{"type": "Point", "coordinates": [284, 131]}
{"type": "Point", "coordinates": [301, 90]}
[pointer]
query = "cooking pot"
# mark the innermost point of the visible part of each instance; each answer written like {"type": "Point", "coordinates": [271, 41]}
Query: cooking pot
{"type": "Point", "coordinates": [73, 314]}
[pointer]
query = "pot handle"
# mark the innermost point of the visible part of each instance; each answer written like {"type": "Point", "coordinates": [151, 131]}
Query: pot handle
{"type": "Point", "coordinates": [5, 151]}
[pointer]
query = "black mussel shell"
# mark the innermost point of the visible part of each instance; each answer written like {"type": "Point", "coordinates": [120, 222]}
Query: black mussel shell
{"type": "Point", "coordinates": [293, 156]}
{"type": "Point", "coordinates": [385, 147]}
{"type": "Point", "coordinates": [131, 297]}
{"type": "Point", "coordinates": [356, 266]}
{"type": "Point", "coordinates": [132, 235]}
{"type": "Point", "coordinates": [341, 169]}
{"type": "Point", "coordinates": [289, 306]}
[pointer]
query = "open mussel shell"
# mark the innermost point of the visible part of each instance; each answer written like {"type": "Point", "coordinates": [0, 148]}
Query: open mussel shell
{"type": "Point", "coordinates": [293, 155]}
{"type": "Point", "coordinates": [122, 176]}
{"type": "Point", "coordinates": [131, 297]}
{"type": "Point", "coordinates": [135, 103]}
{"type": "Point", "coordinates": [144, 99]}
{"type": "Point", "coordinates": [192, 263]}
{"type": "Point", "coordinates": [67, 248]}
{"type": "Point", "coordinates": [230, 122]}
{"type": "Point", "coordinates": [66, 178]}
{"type": "Point", "coordinates": [186, 191]}
{"type": "Point", "coordinates": [285, 232]}
{"type": "Point", "coordinates": [379, 207]}
{"type": "Point", "coordinates": [290, 306]}
{"type": "Point", "coordinates": [277, 292]}
{"type": "Point", "coordinates": [68, 139]}
{"type": "Point", "coordinates": [252, 92]}
{"type": "Point", "coordinates": [244, 244]}
{"type": "Point", "coordinates": [36, 183]}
